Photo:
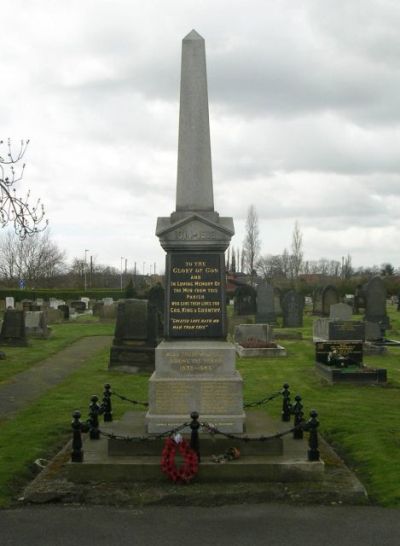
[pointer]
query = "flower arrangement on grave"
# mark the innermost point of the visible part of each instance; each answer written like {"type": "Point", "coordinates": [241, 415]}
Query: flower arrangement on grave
{"type": "Point", "coordinates": [190, 466]}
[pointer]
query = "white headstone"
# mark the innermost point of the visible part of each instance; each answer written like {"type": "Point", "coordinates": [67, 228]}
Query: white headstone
{"type": "Point", "coordinates": [9, 302]}
{"type": "Point", "coordinates": [86, 302]}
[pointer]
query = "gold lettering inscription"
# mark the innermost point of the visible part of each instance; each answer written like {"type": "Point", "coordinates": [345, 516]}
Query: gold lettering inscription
{"type": "Point", "coordinates": [196, 300]}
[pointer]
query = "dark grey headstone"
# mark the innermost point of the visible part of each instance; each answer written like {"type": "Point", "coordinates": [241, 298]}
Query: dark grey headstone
{"type": "Point", "coordinates": [329, 297]}
{"type": "Point", "coordinates": [244, 301]}
{"type": "Point", "coordinates": [292, 308]}
{"type": "Point", "coordinates": [78, 306]}
{"type": "Point", "coordinates": [156, 298]}
{"type": "Point", "coordinates": [98, 308]}
{"type": "Point", "coordinates": [132, 317]}
{"type": "Point", "coordinates": [317, 301]}
{"type": "Point", "coordinates": [339, 353]}
{"type": "Point", "coordinates": [265, 303]}
{"type": "Point", "coordinates": [64, 310]}
{"type": "Point", "coordinates": [135, 335]}
{"type": "Point", "coordinates": [278, 301]}
{"type": "Point", "coordinates": [13, 328]}
{"type": "Point", "coordinates": [375, 309]}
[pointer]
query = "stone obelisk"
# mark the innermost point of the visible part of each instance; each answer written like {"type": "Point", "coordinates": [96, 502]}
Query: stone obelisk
{"type": "Point", "coordinates": [195, 365]}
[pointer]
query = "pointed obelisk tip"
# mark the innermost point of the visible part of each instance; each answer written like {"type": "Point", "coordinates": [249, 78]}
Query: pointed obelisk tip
{"type": "Point", "coordinates": [193, 35]}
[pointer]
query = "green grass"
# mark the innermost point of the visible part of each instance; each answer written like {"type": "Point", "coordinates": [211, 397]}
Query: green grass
{"type": "Point", "coordinates": [19, 359]}
{"type": "Point", "coordinates": [361, 422]}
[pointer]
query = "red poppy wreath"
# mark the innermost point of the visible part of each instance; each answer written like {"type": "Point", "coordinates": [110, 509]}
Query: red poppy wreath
{"type": "Point", "coordinates": [190, 466]}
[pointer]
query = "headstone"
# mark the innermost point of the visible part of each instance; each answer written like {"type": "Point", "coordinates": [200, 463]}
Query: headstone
{"type": "Point", "coordinates": [293, 307]}
{"type": "Point", "coordinates": [265, 303]}
{"type": "Point", "coordinates": [244, 301]}
{"type": "Point", "coordinates": [54, 303]}
{"type": "Point", "coordinates": [373, 331]}
{"type": "Point", "coordinates": [98, 308]}
{"type": "Point", "coordinates": [253, 335]}
{"type": "Point", "coordinates": [317, 300]}
{"type": "Point", "coordinates": [375, 303]}
{"type": "Point", "coordinates": [339, 353]}
{"type": "Point", "coordinates": [278, 301]}
{"type": "Point", "coordinates": [108, 301]}
{"type": "Point", "coordinates": [86, 302]}
{"type": "Point", "coordinates": [195, 366]}
{"type": "Point", "coordinates": [109, 312]}
{"type": "Point", "coordinates": [340, 311]}
{"type": "Point", "coordinates": [10, 302]}
{"type": "Point", "coordinates": [156, 297]}
{"type": "Point", "coordinates": [53, 316]}
{"type": "Point", "coordinates": [135, 336]}
{"type": "Point", "coordinates": [359, 299]}
{"type": "Point", "coordinates": [78, 306]}
{"type": "Point", "coordinates": [64, 310]}
{"type": "Point", "coordinates": [13, 329]}
{"type": "Point", "coordinates": [36, 324]}
{"type": "Point", "coordinates": [329, 297]}
{"type": "Point", "coordinates": [26, 305]}
{"type": "Point", "coordinates": [332, 330]}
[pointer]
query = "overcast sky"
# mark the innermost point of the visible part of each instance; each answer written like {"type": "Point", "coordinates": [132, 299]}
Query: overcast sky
{"type": "Point", "coordinates": [304, 117]}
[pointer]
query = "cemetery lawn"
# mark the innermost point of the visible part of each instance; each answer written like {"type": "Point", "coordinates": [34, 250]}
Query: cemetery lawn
{"type": "Point", "coordinates": [19, 359]}
{"type": "Point", "coordinates": [361, 422]}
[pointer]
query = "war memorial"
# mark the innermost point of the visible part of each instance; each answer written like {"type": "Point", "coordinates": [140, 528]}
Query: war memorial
{"type": "Point", "coordinates": [195, 394]}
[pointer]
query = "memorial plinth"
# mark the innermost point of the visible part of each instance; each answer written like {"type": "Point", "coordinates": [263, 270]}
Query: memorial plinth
{"type": "Point", "coordinates": [195, 366]}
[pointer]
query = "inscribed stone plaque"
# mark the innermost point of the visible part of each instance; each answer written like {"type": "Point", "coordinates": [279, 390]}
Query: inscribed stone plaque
{"type": "Point", "coordinates": [206, 396]}
{"type": "Point", "coordinates": [195, 296]}
{"type": "Point", "coordinates": [353, 351]}
{"type": "Point", "coordinates": [190, 358]}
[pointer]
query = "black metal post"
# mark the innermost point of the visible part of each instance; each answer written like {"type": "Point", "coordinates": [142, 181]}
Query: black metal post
{"type": "Point", "coordinates": [106, 406]}
{"type": "Point", "coordinates": [286, 405]}
{"type": "Point", "coordinates": [298, 418]}
{"type": "Point", "coordinates": [77, 453]}
{"type": "Point", "coordinates": [94, 411]}
{"type": "Point", "coordinates": [194, 437]}
{"type": "Point", "coordinates": [312, 426]}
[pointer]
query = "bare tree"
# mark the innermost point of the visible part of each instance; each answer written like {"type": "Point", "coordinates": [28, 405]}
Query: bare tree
{"type": "Point", "coordinates": [347, 268]}
{"type": "Point", "coordinates": [33, 258]}
{"type": "Point", "coordinates": [296, 258]}
{"type": "Point", "coordinates": [14, 209]}
{"type": "Point", "coordinates": [233, 262]}
{"type": "Point", "coordinates": [251, 243]}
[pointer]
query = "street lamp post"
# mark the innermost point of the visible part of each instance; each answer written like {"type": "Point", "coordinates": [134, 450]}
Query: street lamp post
{"type": "Point", "coordinates": [85, 268]}
{"type": "Point", "coordinates": [121, 270]}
